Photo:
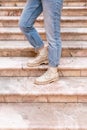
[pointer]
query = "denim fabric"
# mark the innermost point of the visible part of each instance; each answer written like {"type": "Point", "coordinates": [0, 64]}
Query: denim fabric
{"type": "Point", "coordinates": [52, 14]}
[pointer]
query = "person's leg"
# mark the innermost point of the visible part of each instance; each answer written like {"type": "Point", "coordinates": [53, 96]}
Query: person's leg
{"type": "Point", "coordinates": [52, 15]}
{"type": "Point", "coordinates": [32, 10]}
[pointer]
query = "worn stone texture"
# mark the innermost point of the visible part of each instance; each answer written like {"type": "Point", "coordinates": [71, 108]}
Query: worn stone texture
{"type": "Point", "coordinates": [26, 106]}
{"type": "Point", "coordinates": [66, 21]}
{"type": "Point", "coordinates": [22, 2]}
{"type": "Point", "coordinates": [47, 116]}
{"type": "Point", "coordinates": [67, 11]}
{"type": "Point", "coordinates": [24, 49]}
{"type": "Point", "coordinates": [23, 115]}
{"type": "Point", "coordinates": [17, 66]}
{"type": "Point", "coordinates": [71, 34]}
{"type": "Point", "coordinates": [22, 89]}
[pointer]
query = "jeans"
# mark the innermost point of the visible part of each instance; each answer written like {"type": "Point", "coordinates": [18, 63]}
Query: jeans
{"type": "Point", "coordinates": [52, 15]}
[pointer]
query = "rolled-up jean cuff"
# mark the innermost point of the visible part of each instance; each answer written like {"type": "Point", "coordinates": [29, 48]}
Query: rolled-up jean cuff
{"type": "Point", "coordinates": [52, 65]}
{"type": "Point", "coordinates": [38, 47]}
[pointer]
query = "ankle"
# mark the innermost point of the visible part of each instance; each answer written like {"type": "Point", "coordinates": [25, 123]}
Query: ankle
{"type": "Point", "coordinates": [40, 49]}
{"type": "Point", "coordinates": [53, 69]}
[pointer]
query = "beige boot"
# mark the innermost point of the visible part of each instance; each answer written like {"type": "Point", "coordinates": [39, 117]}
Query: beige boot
{"type": "Point", "coordinates": [42, 57]}
{"type": "Point", "coordinates": [49, 76]}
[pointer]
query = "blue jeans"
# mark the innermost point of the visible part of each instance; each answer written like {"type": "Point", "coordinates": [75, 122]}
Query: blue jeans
{"type": "Point", "coordinates": [52, 14]}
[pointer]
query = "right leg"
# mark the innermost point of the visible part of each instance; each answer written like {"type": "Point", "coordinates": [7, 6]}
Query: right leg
{"type": "Point", "coordinates": [32, 10]}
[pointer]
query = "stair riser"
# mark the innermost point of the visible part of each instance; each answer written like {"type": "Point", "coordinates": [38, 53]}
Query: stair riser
{"type": "Point", "coordinates": [74, 52]}
{"type": "Point", "coordinates": [38, 72]}
{"type": "Point", "coordinates": [17, 53]}
{"type": "Point", "coordinates": [75, 3]}
{"type": "Point", "coordinates": [74, 12]}
{"type": "Point", "coordinates": [43, 99]}
{"type": "Point", "coordinates": [66, 52]}
{"type": "Point", "coordinates": [14, 23]}
{"type": "Point", "coordinates": [74, 23]}
{"type": "Point", "coordinates": [40, 23]}
{"type": "Point", "coordinates": [22, 3]}
{"type": "Point", "coordinates": [12, 3]}
{"type": "Point", "coordinates": [65, 12]}
{"type": "Point", "coordinates": [65, 36]}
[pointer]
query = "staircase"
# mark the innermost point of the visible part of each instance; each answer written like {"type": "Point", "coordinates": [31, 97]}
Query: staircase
{"type": "Point", "coordinates": [57, 106]}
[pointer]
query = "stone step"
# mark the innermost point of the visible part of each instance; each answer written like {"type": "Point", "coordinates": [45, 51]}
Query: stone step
{"type": "Point", "coordinates": [23, 90]}
{"type": "Point", "coordinates": [23, 48]}
{"type": "Point", "coordinates": [22, 3]}
{"type": "Point", "coordinates": [17, 66]}
{"type": "Point", "coordinates": [67, 11]}
{"type": "Point", "coordinates": [75, 3]}
{"type": "Point", "coordinates": [43, 116]}
{"type": "Point", "coordinates": [12, 21]}
{"type": "Point", "coordinates": [10, 3]}
{"type": "Point", "coordinates": [66, 34]}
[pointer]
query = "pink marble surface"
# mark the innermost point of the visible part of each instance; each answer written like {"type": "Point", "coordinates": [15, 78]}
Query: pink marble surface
{"type": "Point", "coordinates": [22, 89]}
{"type": "Point", "coordinates": [23, 48]}
{"type": "Point", "coordinates": [51, 116]}
{"type": "Point", "coordinates": [42, 30]}
{"type": "Point", "coordinates": [17, 66]}
{"type": "Point", "coordinates": [66, 62]}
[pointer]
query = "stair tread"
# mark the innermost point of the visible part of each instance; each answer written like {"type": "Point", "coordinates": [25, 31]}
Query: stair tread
{"type": "Point", "coordinates": [43, 116]}
{"type": "Point", "coordinates": [64, 7]}
{"type": "Point", "coordinates": [72, 63]}
{"type": "Point", "coordinates": [24, 86]}
{"type": "Point", "coordinates": [41, 18]}
{"type": "Point", "coordinates": [42, 30]}
{"type": "Point", "coordinates": [23, 90]}
{"type": "Point", "coordinates": [25, 44]}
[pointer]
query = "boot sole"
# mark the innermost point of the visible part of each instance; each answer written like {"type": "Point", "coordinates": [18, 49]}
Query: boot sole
{"type": "Point", "coordinates": [47, 82]}
{"type": "Point", "coordinates": [37, 64]}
